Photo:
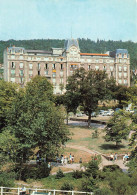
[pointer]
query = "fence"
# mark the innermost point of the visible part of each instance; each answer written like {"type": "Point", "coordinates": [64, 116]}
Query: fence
{"type": "Point", "coordinates": [32, 191]}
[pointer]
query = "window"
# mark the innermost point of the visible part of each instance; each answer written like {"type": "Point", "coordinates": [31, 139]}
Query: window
{"type": "Point", "coordinates": [120, 74]}
{"type": "Point", "coordinates": [13, 72]}
{"type": "Point", "coordinates": [104, 67]}
{"type": "Point", "coordinates": [111, 74]}
{"type": "Point", "coordinates": [46, 66]}
{"type": "Point", "coordinates": [38, 66]}
{"type": "Point", "coordinates": [61, 73]}
{"type": "Point", "coordinates": [12, 80]}
{"type": "Point", "coordinates": [12, 57]}
{"type": "Point", "coordinates": [125, 68]}
{"type": "Point", "coordinates": [21, 64]}
{"type": "Point", "coordinates": [125, 81]}
{"type": "Point", "coordinates": [46, 72]}
{"type": "Point", "coordinates": [111, 68]}
{"type": "Point", "coordinates": [21, 80]}
{"type": "Point", "coordinates": [30, 72]}
{"type": "Point", "coordinates": [21, 72]}
{"type": "Point", "coordinates": [53, 74]}
{"type": "Point", "coordinates": [125, 75]}
{"type": "Point", "coordinates": [120, 68]}
{"type": "Point", "coordinates": [96, 67]}
{"type": "Point", "coordinates": [38, 72]}
{"type": "Point", "coordinates": [21, 57]}
{"type": "Point", "coordinates": [12, 64]}
{"type": "Point", "coordinates": [61, 66]}
{"type": "Point", "coordinates": [119, 81]}
{"type": "Point", "coordinates": [61, 80]}
{"type": "Point", "coordinates": [30, 66]}
{"type": "Point", "coordinates": [54, 80]}
{"type": "Point", "coordinates": [89, 67]}
{"type": "Point", "coordinates": [53, 66]}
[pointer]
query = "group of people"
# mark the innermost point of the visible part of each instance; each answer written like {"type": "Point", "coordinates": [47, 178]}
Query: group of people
{"type": "Point", "coordinates": [65, 160]}
{"type": "Point", "coordinates": [113, 157]}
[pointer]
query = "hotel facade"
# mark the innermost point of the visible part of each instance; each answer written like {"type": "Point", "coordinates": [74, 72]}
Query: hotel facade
{"type": "Point", "coordinates": [21, 65]}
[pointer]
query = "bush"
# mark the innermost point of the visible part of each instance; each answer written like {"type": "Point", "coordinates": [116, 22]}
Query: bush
{"type": "Point", "coordinates": [103, 191]}
{"type": "Point", "coordinates": [67, 186]}
{"type": "Point", "coordinates": [111, 168]}
{"type": "Point", "coordinates": [88, 184]}
{"type": "Point", "coordinates": [59, 174]}
{"type": "Point", "coordinates": [7, 179]}
{"type": "Point", "coordinates": [92, 169]}
{"type": "Point", "coordinates": [29, 172]}
{"type": "Point", "coordinates": [77, 174]}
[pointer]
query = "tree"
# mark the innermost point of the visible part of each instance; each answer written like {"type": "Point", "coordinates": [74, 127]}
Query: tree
{"type": "Point", "coordinates": [35, 121]}
{"type": "Point", "coordinates": [7, 95]}
{"type": "Point", "coordinates": [86, 88]}
{"type": "Point", "coordinates": [117, 128]}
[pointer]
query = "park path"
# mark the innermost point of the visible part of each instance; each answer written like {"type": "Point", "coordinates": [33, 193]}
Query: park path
{"type": "Point", "coordinates": [104, 161]}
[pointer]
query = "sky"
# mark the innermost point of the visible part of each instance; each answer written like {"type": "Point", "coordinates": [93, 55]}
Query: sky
{"type": "Point", "coordinates": [63, 19]}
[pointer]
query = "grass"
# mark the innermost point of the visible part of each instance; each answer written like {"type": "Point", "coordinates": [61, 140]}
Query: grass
{"type": "Point", "coordinates": [82, 136]}
{"type": "Point", "coordinates": [52, 183]}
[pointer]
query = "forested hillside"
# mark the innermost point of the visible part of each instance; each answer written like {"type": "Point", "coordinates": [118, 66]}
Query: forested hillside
{"type": "Point", "coordinates": [86, 45]}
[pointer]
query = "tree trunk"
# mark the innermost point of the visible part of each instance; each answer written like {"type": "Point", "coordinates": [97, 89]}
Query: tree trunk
{"type": "Point", "coordinates": [67, 118]}
{"type": "Point", "coordinates": [89, 119]}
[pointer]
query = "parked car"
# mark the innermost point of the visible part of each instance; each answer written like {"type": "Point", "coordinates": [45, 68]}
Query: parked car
{"type": "Point", "coordinates": [105, 113]}
{"type": "Point", "coordinates": [79, 114]}
{"type": "Point", "coordinates": [93, 114]}
{"type": "Point", "coordinates": [101, 112]}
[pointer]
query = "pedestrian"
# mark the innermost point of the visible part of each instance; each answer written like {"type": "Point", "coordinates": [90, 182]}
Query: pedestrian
{"type": "Point", "coordinates": [111, 157]}
{"type": "Point", "coordinates": [65, 160]}
{"type": "Point", "coordinates": [115, 157]}
{"type": "Point", "coordinates": [62, 160]}
{"type": "Point", "coordinates": [23, 190]}
{"type": "Point", "coordinates": [70, 158]}
{"type": "Point", "coordinates": [49, 165]}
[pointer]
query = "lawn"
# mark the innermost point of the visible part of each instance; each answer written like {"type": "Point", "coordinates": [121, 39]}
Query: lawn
{"type": "Point", "coordinates": [82, 137]}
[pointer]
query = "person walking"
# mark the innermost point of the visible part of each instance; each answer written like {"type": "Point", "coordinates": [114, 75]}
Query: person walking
{"type": "Point", "coordinates": [115, 157]}
{"type": "Point", "coordinates": [70, 158]}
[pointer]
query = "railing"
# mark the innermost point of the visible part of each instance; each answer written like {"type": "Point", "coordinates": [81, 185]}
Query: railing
{"type": "Point", "coordinates": [31, 191]}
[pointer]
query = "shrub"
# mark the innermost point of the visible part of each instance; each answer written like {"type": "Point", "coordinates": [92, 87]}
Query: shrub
{"type": "Point", "coordinates": [111, 168]}
{"type": "Point", "coordinates": [59, 174]}
{"type": "Point", "coordinates": [77, 174]}
{"type": "Point", "coordinates": [29, 172]}
{"type": "Point", "coordinates": [67, 186]}
{"type": "Point", "coordinates": [7, 179]}
{"type": "Point", "coordinates": [88, 184]}
{"type": "Point", "coordinates": [92, 169]}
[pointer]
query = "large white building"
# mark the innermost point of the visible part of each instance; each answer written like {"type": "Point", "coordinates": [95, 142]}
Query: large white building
{"type": "Point", "coordinates": [20, 65]}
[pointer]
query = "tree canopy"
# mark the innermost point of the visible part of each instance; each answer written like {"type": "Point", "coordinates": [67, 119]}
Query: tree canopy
{"type": "Point", "coordinates": [86, 88]}
{"type": "Point", "coordinates": [34, 122]}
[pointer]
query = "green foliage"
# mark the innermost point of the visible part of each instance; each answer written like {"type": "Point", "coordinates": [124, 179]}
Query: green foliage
{"type": "Point", "coordinates": [103, 191]}
{"type": "Point", "coordinates": [59, 174]}
{"type": "Point", "coordinates": [111, 168]}
{"type": "Point", "coordinates": [67, 186]}
{"type": "Point", "coordinates": [92, 169]}
{"type": "Point", "coordinates": [95, 134]}
{"type": "Point", "coordinates": [30, 172]}
{"type": "Point", "coordinates": [33, 121]}
{"type": "Point", "coordinates": [77, 174]}
{"type": "Point", "coordinates": [7, 179]}
{"type": "Point", "coordinates": [7, 95]}
{"type": "Point", "coordinates": [88, 184]}
{"type": "Point", "coordinates": [86, 88]}
{"type": "Point", "coordinates": [117, 128]}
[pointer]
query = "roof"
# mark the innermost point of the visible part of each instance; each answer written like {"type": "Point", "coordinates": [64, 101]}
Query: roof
{"type": "Point", "coordinates": [38, 51]}
{"type": "Point", "coordinates": [93, 54]}
{"type": "Point", "coordinates": [71, 42]}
